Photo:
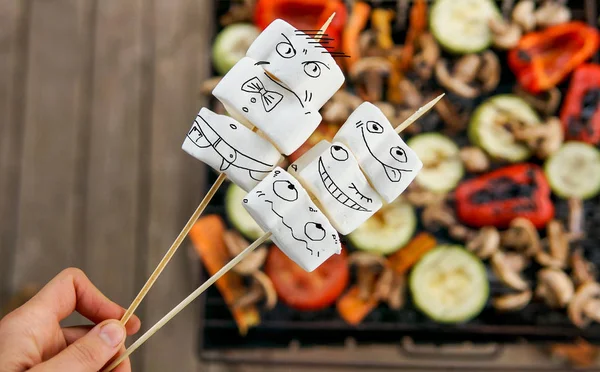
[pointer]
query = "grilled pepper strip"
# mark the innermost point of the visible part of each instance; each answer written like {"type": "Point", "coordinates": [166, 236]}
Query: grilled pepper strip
{"type": "Point", "coordinates": [580, 113]}
{"type": "Point", "coordinates": [543, 59]}
{"type": "Point", "coordinates": [500, 196]}
{"type": "Point", "coordinates": [357, 22]}
{"type": "Point", "coordinates": [304, 15]}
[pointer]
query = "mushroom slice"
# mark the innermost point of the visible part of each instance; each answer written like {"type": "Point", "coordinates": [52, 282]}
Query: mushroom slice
{"type": "Point", "coordinates": [396, 296]}
{"type": "Point", "coordinates": [438, 215]}
{"type": "Point", "coordinates": [584, 294]}
{"type": "Point", "coordinates": [426, 58]}
{"type": "Point", "coordinates": [410, 94]}
{"type": "Point", "coordinates": [582, 271]}
{"type": "Point", "coordinates": [262, 288]}
{"type": "Point", "coordinates": [506, 273]}
{"type": "Point", "coordinates": [474, 159]}
{"type": "Point", "coordinates": [383, 286]}
{"type": "Point", "coordinates": [461, 232]}
{"type": "Point", "coordinates": [368, 267]}
{"type": "Point", "coordinates": [453, 84]}
{"type": "Point", "coordinates": [421, 197]}
{"type": "Point", "coordinates": [555, 287]}
{"type": "Point", "coordinates": [547, 102]}
{"type": "Point", "coordinates": [235, 244]}
{"type": "Point", "coordinates": [451, 115]}
{"type": "Point", "coordinates": [369, 74]}
{"type": "Point", "coordinates": [592, 309]}
{"type": "Point", "coordinates": [523, 236]}
{"type": "Point", "coordinates": [387, 109]}
{"type": "Point", "coordinates": [505, 35]}
{"type": "Point", "coordinates": [552, 13]}
{"type": "Point", "coordinates": [523, 15]}
{"type": "Point", "coordinates": [558, 240]}
{"type": "Point", "coordinates": [485, 243]}
{"type": "Point", "coordinates": [517, 261]}
{"type": "Point", "coordinates": [466, 68]}
{"type": "Point", "coordinates": [576, 218]}
{"type": "Point", "coordinates": [489, 73]}
{"type": "Point", "coordinates": [335, 112]}
{"type": "Point", "coordinates": [512, 301]}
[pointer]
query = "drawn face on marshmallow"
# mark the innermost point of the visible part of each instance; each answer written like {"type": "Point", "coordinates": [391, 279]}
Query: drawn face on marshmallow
{"type": "Point", "coordinates": [249, 94]}
{"type": "Point", "coordinates": [331, 173]}
{"type": "Point", "coordinates": [279, 204]}
{"type": "Point", "coordinates": [228, 146]}
{"type": "Point", "coordinates": [387, 161]}
{"type": "Point", "coordinates": [299, 61]}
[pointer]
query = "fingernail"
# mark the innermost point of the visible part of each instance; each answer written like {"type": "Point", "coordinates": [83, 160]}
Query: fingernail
{"type": "Point", "coordinates": [112, 334]}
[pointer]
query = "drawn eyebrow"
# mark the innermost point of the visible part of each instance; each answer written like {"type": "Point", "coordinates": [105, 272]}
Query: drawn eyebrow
{"type": "Point", "coordinates": [288, 40]}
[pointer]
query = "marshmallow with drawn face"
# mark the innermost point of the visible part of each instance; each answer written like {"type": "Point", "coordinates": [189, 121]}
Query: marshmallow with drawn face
{"type": "Point", "coordinates": [231, 148]}
{"type": "Point", "coordinates": [299, 61]}
{"type": "Point", "coordinates": [280, 205]}
{"type": "Point", "coordinates": [331, 173]}
{"type": "Point", "coordinates": [389, 164]}
{"type": "Point", "coordinates": [250, 94]}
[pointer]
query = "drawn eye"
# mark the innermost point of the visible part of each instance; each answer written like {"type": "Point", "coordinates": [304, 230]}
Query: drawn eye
{"type": "Point", "coordinates": [398, 154]}
{"type": "Point", "coordinates": [314, 231]}
{"type": "Point", "coordinates": [285, 190]}
{"type": "Point", "coordinates": [374, 127]}
{"type": "Point", "coordinates": [285, 48]}
{"type": "Point", "coordinates": [338, 153]}
{"type": "Point", "coordinates": [313, 68]}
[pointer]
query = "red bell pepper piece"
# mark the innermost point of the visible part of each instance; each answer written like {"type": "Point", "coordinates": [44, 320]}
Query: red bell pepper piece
{"type": "Point", "coordinates": [580, 113]}
{"type": "Point", "coordinates": [304, 15]}
{"type": "Point", "coordinates": [544, 58]}
{"type": "Point", "coordinates": [498, 197]}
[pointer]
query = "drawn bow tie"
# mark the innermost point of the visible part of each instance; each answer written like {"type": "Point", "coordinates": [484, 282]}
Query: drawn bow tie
{"type": "Point", "coordinates": [269, 99]}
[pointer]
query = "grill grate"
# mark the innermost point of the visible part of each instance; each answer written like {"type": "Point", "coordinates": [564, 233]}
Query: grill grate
{"type": "Point", "coordinates": [282, 326]}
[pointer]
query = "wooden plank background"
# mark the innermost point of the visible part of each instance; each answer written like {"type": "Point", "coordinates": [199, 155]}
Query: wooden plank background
{"type": "Point", "coordinates": [95, 99]}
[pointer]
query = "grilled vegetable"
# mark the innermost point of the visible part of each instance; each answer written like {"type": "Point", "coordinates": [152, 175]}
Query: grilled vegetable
{"type": "Point", "coordinates": [357, 22]}
{"type": "Point", "coordinates": [461, 26]}
{"type": "Point", "coordinates": [387, 230]}
{"type": "Point", "coordinates": [544, 58]}
{"type": "Point", "coordinates": [352, 308]}
{"type": "Point", "coordinates": [449, 284]}
{"type": "Point", "coordinates": [237, 214]}
{"type": "Point", "coordinates": [489, 126]}
{"type": "Point", "coordinates": [498, 197]}
{"type": "Point", "coordinates": [406, 257]}
{"type": "Point", "coordinates": [574, 171]}
{"type": "Point", "coordinates": [307, 291]}
{"type": "Point", "coordinates": [442, 167]}
{"type": "Point", "coordinates": [580, 113]}
{"type": "Point", "coordinates": [207, 236]}
{"type": "Point", "coordinates": [231, 45]}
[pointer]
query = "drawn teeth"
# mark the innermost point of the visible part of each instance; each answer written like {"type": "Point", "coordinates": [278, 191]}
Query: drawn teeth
{"type": "Point", "coordinates": [336, 192]}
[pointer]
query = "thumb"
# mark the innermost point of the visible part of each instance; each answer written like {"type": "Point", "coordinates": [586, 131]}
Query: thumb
{"type": "Point", "coordinates": [91, 352]}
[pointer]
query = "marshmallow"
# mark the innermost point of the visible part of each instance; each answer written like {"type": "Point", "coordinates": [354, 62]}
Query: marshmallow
{"type": "Point", "coordinates": [299, 61]}
{"type": "Point", "coordinates": [389, 164]}
{"type": "Point", "coordinates": [279, 204]}
{"type": "Point", "coordinates": [248, 92]}
{"type": "Point", "coordinates": [331, 173]}
{"type": "Point", "coordinates": [231, 148]}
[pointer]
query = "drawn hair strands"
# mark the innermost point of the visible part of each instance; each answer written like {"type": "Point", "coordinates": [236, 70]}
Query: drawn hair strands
{"type": "Point", "coordinates": [190, 298]}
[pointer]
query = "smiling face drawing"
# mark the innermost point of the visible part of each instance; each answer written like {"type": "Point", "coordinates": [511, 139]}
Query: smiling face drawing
{"type": "Point", "coordinates": [251, 95]}
{"type": "Point", "coordinates": [229, 147]}
{"type": "Point", "coordinates": [332, 174]}
{"type": "Point", "coordinates": [386, 160]}
{"type": "Point", "coordinates": [302, 63]}
{"type": "Point", "coordinates": [279, 204]}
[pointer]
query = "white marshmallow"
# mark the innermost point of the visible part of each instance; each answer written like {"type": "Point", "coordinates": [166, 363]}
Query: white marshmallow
{"type": "Point", "coordinates": [331, 173]}
{"type": "Point", "coordinates": [387, 161]}
{"type": "Point", "coordinates": [248, 92]}
{"type": "Point", "coordinates": [279, 204]}
{"type": "Point", "coordinates": [299, 61]}
{"type": "Point", "coordinates": [231, 148]}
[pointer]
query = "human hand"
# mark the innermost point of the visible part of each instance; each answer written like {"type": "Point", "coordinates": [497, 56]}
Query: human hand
{"type": "Point", "coordinates": [31, 337]}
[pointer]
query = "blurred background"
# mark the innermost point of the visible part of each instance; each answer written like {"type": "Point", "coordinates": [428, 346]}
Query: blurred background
{"type": "Point", "coordinates": [96, 97]}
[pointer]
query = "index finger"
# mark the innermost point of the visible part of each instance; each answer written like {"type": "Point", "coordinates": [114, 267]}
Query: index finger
{"type": "Point", "coordinates": [71, 290]}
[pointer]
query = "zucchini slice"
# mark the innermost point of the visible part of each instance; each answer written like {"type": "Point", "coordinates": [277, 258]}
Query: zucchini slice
{"type": "Point", "coordinates": [442, 167]}
{"type": "Point", "coordinates": [238, 216]}
{"type": "Point", "coordinates": [449, 284]}
{"type": "Point", "coordinates": [231, 45]}
{"type": "Point", "coordinates": [487, 126]}
{"type": "Point", "coordinates": [461, 26]}
{"type": "Point", "coordinates": [388, 230]}
{"type": "Point", "coordinates": [574, 171]}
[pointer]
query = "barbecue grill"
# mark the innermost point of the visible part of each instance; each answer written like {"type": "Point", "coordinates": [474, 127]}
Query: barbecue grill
{"type": "Point", "coordinates": [419, 342]}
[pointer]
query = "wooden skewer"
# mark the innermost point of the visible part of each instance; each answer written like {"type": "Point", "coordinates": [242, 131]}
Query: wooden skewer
{"type": "Point", "coordinates": [420, 112]}
{"type": "Point", "coordinates": [188, 226]}
{"type": "Point", "coordinates": [167, 257]}
{"type": "Point", "coordinates": [171, 314]}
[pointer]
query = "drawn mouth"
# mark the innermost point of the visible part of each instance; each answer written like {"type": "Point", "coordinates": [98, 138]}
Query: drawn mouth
{"type": "Point", "coordinates": [394, 174]}
{"type": "Point", "coordinates": [289, 227]}
{"type": "Point", "coordinates": [336, 192]}
{"type": "Point", "coordinates": [262, 63]}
